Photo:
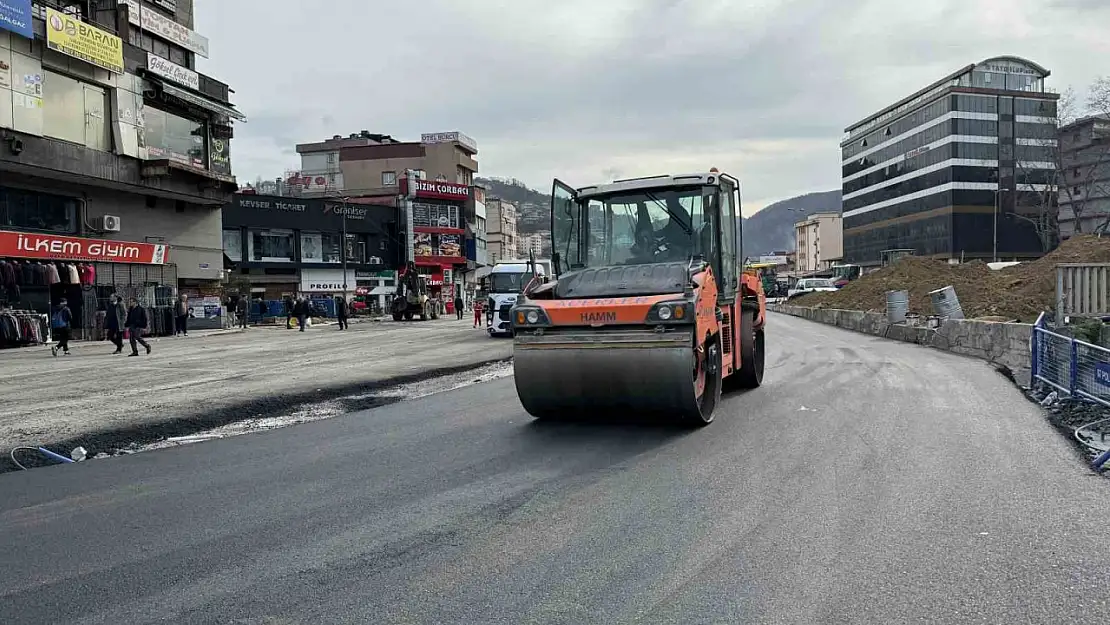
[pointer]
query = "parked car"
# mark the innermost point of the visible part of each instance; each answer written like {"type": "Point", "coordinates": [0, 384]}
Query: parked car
{"type": "Point", "coordinates": [810, 285]}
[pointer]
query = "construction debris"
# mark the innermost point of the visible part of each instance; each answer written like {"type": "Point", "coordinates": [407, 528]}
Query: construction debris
{"type": "Point", "coordinates": [1020, 292]}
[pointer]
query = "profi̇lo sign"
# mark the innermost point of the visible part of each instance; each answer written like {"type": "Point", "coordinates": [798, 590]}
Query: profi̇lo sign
{"type": "Point", "coordinates": [53, 247]}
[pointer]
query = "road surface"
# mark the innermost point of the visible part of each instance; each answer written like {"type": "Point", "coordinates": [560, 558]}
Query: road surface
{"type": "Point", "coordinates": [865, 482]}
{"type": "Point", "coordinates": [218, 378]}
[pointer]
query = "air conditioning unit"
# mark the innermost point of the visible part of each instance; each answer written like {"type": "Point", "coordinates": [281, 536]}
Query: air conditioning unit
{"type": "Point", "coordinates": [376, 260]}
{"type": "Point", "coordinates": [107, 223]}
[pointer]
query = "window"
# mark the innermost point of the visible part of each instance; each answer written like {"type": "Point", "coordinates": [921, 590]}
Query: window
{"type": "Point", "coordinates": [637, 228]}
{"type": "Point", "coordinates": [317, 247]}
{"type": "Point", "coordinates": [271, 246]}
{"type": "Point", "coordinates": [233, 245]}
{"type": "Point", "coordinates": [75, 111]}
{"type": "Point", "coordinates": [729, 217]}
{"type": "Point", "coordinates": [174, 137]}
{"type": "Point", "coordinates": [331, 158]}
{"type": "Point", "coordinates": [435, 215]}
{"type": "Point", "coordinates": [30, 210]}
{"type": "Point", "coordinates": [389, 178]}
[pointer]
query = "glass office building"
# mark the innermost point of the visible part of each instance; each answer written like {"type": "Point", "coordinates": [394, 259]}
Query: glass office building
{"type": "Point", "coordinates": [944, 171]}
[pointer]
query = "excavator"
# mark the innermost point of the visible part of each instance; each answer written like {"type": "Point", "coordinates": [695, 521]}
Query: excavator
{"type": "Point", "coordinates": [411, 298]}
{"type": "Point", "coordinates": [649, 312]}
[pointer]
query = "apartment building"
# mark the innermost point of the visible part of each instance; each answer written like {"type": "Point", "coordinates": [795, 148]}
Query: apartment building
{"type": "Point", "coordinates": [1084, 195]}
{"type": "Point", "coordinates": [951, 170]}
{"type": "Point", "coordinates": [501, 230]}
{"type": "Point", "coordinates": [114, 150]}
{"type": "Point", "coordinates": [820, 242]}
{"type": "Point", "coordinates": [365, 163]}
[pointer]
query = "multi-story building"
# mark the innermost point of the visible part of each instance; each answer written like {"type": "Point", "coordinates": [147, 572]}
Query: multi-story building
{"type": "Point", "coordinates": [278, 247]}
{"type": "Point", "coordinates": [1084, 195]}
{"type": "Point", "coordinates": [501, 232]}
{"type": "Point", "coordinates": [819, 242]}
{"type": "Point", "coordinates": [367, 163]}
{"type": "Point", "coordinates": [954, 168]}
{"type": "Point", "coordinates": [114, 150]}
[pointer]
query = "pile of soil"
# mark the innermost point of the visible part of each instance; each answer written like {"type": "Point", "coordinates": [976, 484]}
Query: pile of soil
{"type": "Point", "coordinates": [1020, 292]}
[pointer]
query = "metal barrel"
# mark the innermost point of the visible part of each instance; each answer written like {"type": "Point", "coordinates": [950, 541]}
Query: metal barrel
{"type": "Point", "coordinates": [897, 306]}
{"type": "Point", "coordinates": [946, 304]}
{"type": "Point", "coordinates": [614, 373]}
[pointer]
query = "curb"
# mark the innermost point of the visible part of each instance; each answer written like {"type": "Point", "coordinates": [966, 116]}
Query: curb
{"type": "Point", "coordinates": [109, 440]}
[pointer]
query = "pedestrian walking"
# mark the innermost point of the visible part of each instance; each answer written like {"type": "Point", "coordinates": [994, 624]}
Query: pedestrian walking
{"type": "Point", "coordinates": [181, 316]}
{"type": "Point", "coordinates": [300, 311]}
{"type": "Point", "coordinates": [60, 323]}
{"type": "Point", "coordinates": [341, 312]}
{"type": "Point", "coordinates": [136, 323]}
{"type": "Point", "coordinates": [242, 308]}
{"type": "Point", "coordinates": [477, 313]}
{"type": "Point", "coordinates": [458, 307]}
{"type": "Point", "coordinates": [288, 303]}
{"type": "Point", "coordinates": [115, 318]}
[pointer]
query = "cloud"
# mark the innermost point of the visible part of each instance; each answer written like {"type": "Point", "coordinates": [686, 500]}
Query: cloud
{"type": "Point", "coordinates": [588, 89]}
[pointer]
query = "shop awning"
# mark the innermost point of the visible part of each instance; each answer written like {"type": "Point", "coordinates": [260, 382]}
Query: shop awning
{"type": "Point", "coordinates": [201, 101]}
{"type": "Point", "coordinates": [383, 290]}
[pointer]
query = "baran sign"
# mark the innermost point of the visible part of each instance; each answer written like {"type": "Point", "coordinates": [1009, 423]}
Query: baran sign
{"type": "Point", "coordinates": [54, 247]}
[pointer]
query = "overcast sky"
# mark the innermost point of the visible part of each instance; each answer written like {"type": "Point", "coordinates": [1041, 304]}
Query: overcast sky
{"type": "Point", "coordinates": [593, 89]}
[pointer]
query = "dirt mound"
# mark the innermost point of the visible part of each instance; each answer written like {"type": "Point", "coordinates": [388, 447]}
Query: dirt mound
{"type": "Point", "coordinates": [1020, 292]}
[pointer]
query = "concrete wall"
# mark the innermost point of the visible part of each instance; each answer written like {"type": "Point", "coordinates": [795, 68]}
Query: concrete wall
{"type": "Point", "coordinates": [195, 236]}
{"type": "Point", "coordinates": [1001, 344]}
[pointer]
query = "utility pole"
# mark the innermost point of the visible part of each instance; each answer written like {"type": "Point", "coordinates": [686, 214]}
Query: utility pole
{"type": "Point", "coordinates": [343, 250]}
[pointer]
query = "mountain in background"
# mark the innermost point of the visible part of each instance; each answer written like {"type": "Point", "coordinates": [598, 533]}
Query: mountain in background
{"type": "Point", "coordinates": [772, 228]}
{"type": "Point", "coordinates": [769, 230]}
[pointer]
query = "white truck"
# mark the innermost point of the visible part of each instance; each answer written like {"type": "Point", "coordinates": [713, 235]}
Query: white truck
{"type": "Point", "coordinates": [506, 281]}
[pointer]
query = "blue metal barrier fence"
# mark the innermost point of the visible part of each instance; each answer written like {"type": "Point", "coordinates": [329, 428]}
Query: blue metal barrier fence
{"type": "Point", "coordinates": [1072, 367]}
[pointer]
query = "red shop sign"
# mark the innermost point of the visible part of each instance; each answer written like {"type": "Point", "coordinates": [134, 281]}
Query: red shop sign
{"type": "Point", "coordinates": [440, 189]}
{"type": "Point", "coordinates": [56, 247]}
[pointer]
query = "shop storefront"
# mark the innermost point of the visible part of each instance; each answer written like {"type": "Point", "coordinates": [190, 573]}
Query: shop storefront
{"type": "Point", "coordinates": [323, 286]}
{"type": "Point", "coordinates": [37, 270]}
{"type": "Point", "coordinates": [374, 290]}
{"type": "Point", "coordinates": [276, 247]}
{"type": "Point", "coordinates": [439, 234]}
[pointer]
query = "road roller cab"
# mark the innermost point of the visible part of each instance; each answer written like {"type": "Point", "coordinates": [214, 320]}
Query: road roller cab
{"type": "Point", "coordinates": [649, 311]}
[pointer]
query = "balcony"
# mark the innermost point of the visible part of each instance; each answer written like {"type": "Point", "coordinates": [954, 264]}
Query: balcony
{"type": "Point", "coordinates": [53, 159]}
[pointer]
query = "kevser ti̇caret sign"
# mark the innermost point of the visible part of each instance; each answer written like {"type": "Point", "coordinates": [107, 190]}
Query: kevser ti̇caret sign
{"type": "Point", "coordinates": [72, 37]}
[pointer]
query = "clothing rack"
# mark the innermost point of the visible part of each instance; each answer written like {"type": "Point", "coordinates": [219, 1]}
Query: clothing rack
{"type": "Point", "coordinates": [20, 328]}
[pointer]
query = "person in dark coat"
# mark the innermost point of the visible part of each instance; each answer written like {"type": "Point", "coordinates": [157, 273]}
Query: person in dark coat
{"type": "Point", "coordinates": [60, 323]}
{"type": "Point", "coordinates": [242, 307]}
{"type": "Point", "coordinates": [300, 311]}
{"type": "Point", "coordinates": [181, 316]}
{"type": "Point", "coordinates": [136, 323]}
{"type": "Point", "coordinates": [115, 317]}
{"type": "Point", "coordinates": [288, 313]}
{"type": "Point", "coordinates": [458, 307]}
{"type": "Point", "coordinates": [341, 312]}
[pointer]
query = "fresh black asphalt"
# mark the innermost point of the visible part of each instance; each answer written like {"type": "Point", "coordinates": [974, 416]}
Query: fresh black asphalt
{"type": "Point", "coordinates": [866, 482]}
